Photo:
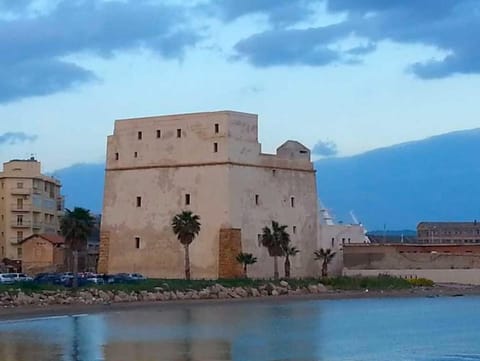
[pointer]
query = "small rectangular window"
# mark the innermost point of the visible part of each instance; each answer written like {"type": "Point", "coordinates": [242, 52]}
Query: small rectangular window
{"type": "Point", "coordinates": [217, 128]}
{"type": "Point", "coordinates": [139, 201]}
{"type": "Point", "coordinates": [19, 252]}
{"type": "Point", "coordinates": [187, 199]}
{"type": "Point", "coordinates": [259, 239]}
{"type": "Point", "coordinates": [179, 133]}
{"type": "Point", "coordinates": [292, 202]}
{"type": "Point", "coordinates": [117, 156]}
{"type": "Point", "coordinates": [139, 135]}
{"type": "Point", "coordinates": [19, 185]}
{"type": "Point", "coordinates": [137, 242]}
{"type": "Point", "coordinates": [294, 228]}
{"type": "Point", "coordinates": [333, 242]}
{"type": "Point", "coordinates": [215, 147]}
{"type": "Point", "coordinates": [159, 133]}
{"type": "Point", "coordinates": [274, 172]}
{"type": "Point", "coordinates": [135, 154]}
{"type": "Point", "coordinates": [257, 199]}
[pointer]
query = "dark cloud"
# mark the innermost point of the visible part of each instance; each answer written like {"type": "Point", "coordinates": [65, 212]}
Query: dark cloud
{"type": "Point", "coordinates": [16, 137]}
{"type": "Point", "coordinates": [32, 48]}
{"type": "Point", "coordinates": [325, 148]}
{"type": "Point", "coordinates": [280, 12]}
{"type": "Point", "coordinates": [452, 26]}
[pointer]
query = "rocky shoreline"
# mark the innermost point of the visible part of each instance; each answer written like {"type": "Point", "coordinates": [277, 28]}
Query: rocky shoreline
{"type": "Point", "coordinates": [15, 298]}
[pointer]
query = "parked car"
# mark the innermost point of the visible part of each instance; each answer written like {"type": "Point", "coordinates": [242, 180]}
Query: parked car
{"type": "Point", "coordinates": [125, 278]}
{"type": "Point", "coordinates": [21, 277]}
{"type": "Point", "coordinates": [136, 276]}
{"type": "Point", "coordinates": [7, 278]}
{"type": "Point", "coordinates": [48, 278]}
{"type": "Point", "coordinates": [96, 279]}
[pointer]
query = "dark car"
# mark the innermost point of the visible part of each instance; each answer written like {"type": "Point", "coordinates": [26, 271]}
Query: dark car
{"type": "Point", "coordinates": [122, 278]}
{"type": "Point", "coordinates": [48, 279]}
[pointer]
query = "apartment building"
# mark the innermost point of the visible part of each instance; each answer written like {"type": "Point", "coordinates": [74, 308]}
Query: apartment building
{"type": "Point", "coordinates": [30, 203]}
{"type": "Point", "coordinates": [211, 164]}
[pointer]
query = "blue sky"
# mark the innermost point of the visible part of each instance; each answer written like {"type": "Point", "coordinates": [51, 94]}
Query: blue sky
{"type": "Point", "coordinates": [341, 76]}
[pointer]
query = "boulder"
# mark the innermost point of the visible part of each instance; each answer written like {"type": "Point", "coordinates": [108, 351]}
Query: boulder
{"type": "Point", "coordinates": [275, 293]}
{"type": "Point", "coordinates": [284, 284]}
{"type": "Point", "coordinates": [312, 289]}
{"type": "Point", "coordinates": [241, 292]}
{"type": "Point", "coordinates": [321, 288]}
{"type": "Point", "coordinates": [255, 292]}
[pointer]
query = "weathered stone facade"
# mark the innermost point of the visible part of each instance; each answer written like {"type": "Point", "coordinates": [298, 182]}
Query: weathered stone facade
{"type": "Point", "coordinates": [212, 165]}
{"type": "Point", "coordinates": [230, 246]}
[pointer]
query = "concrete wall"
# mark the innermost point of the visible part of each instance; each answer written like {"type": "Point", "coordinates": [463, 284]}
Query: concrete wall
{"type": "Point", "coordinates": [223, 188]}
{"type": "Point", "coordinates": [463, 276]}
{"type": "Point", "coordinates": [440, 263]}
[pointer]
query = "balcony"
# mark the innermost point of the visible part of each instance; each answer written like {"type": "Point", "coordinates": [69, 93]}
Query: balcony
{"type": "Point", "coordinates": [15, 207]}
{"type": "Point", "coordinates": [22, 224]}
{"type": "Point", "coordinates": [15, 241]}
{"type": "Point", "coordinates": [21, 191]}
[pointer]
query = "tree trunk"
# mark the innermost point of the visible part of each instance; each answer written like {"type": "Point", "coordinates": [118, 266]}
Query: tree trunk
{"type": "Point", "coordinates": [287, 267]}
{"type": "Point", "coordinates": [75, 270]}
{"type": "Point", "coordinates": [275, 268]}
{"type": "Point", "coordinates": [187, 263]}
{"type": "Point", "coordinates": [325, 268]}
{"type": "Point", "coordinates": [245, 270]}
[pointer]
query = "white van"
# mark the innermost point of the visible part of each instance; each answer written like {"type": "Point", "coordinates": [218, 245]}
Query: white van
{"type": "Point", "coordinates": [7, 278]}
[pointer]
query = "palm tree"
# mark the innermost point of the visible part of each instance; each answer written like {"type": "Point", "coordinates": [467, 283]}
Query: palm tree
{"type": "Point", "coordinates": [290, 251]}
{"type": "Point", "coordinates": [76, 226]}
{"type": "Point", "coordinates": [246, 259]}
{"type": "Point", "coordinates": [186, 226]}
{"type": "Point", "coordinates": [275, 239]}
{"type": "Point", "coordinates": [326, 256]}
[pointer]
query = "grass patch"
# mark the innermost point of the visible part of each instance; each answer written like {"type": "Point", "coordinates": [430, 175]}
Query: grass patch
{"type": "Point", "coordinates": [382, 282]}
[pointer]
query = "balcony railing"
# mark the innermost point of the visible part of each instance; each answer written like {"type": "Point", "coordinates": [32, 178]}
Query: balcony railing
{"type": "Point", "coordinates": [16, 207]}
{"type": "Point", "coordinates": [15, 240]}
{"type": "Point", "coordinates": [21, 224]}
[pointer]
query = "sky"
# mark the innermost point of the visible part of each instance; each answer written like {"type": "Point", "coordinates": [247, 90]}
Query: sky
{"type": "Point", "coordinates": [340, 76]}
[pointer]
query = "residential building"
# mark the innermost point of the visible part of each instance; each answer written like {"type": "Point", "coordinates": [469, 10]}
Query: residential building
{"type": "Point", "coordinates": [210, 164]}
{"type": "Point", "coordinates": [43, 253]}
{"type": "Point", "coordinates": [30, 203]}
{"type": "Point", "coordinates": [448, 232]}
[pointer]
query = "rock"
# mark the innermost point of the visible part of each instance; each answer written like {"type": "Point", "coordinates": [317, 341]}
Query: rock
{"type": "Point", "coordinates": [321, 288]}
{"type": "Point", "coordinates": [204, 294]}
{"type": "Point", "coordinates": [269, 288]}
{"type": "Point", "coordinates": [255, 292]}
{"type": "Point", "coordinates": [158, 289]}
{"type": "Point", "coordinates": [284, 284]}
{"type": "Point", "coordinates": [275, 293]}
{"type": "Point", "coordinates": [241, 292]}
{"type": "Point", "coordinates": [312, 289]}
{"type": "Point", "coordinates": [23, 299]}
{"type": "Point", "coordinates": [166, 296]}
{"type": "Point", "coordinates": [223, 294]}
{"type": "Point", "coordinates": [282, 290]}
{"type": "Point", "coordinates": [173, 296]}
{"type": "Point", "coordinates": [263, 293]}
{"type": "Point", "coordinates": [195, 295]}
{"type": "Point", "coordinates": [180, 295]}
{"type": "Point", "coordinates": [159, 296]}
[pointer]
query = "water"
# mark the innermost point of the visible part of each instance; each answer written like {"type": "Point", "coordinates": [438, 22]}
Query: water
{"type": "Point", "coordinates": [422, 329]}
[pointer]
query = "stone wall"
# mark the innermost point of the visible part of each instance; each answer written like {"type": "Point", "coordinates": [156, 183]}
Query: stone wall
{"type": "Point", "coordinates": [103, 252]}
{"type": "Point", "coordinates": [230, 245]}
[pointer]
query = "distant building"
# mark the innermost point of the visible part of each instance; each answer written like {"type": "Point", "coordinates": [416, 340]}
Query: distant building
{"type": "Point", "coordinates": [211, 164]}
{"type": "Point", "coordinates": [43, 253]}
{"type": "Point", "coordinates": [30, 203]}
{"type": "Point", "coordinates": [448, 232]}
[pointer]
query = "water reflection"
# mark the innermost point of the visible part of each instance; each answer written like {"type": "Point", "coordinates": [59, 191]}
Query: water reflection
{"type": "Point", "coordinates": [354, 330]}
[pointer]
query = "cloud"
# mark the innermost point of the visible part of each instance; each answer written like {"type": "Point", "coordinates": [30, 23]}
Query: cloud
{"type": "Point", "coordinates": [452, 26]}
{"type": "Point", "coordinates": [33, 49]}
{"type": "Point", "coordinates": [16, 137]}
{"type": "Point", "coordinates": [279, 12]}
{"type": "Point", "coordinates": [325, 148]}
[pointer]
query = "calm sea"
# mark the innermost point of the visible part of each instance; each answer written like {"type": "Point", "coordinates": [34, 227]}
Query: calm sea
{"type": "Point", "coordinates": [423, 329]}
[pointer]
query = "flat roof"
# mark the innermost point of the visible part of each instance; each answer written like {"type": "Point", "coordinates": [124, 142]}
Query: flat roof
{"type": "Point", "coordinates": [181, 115]}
